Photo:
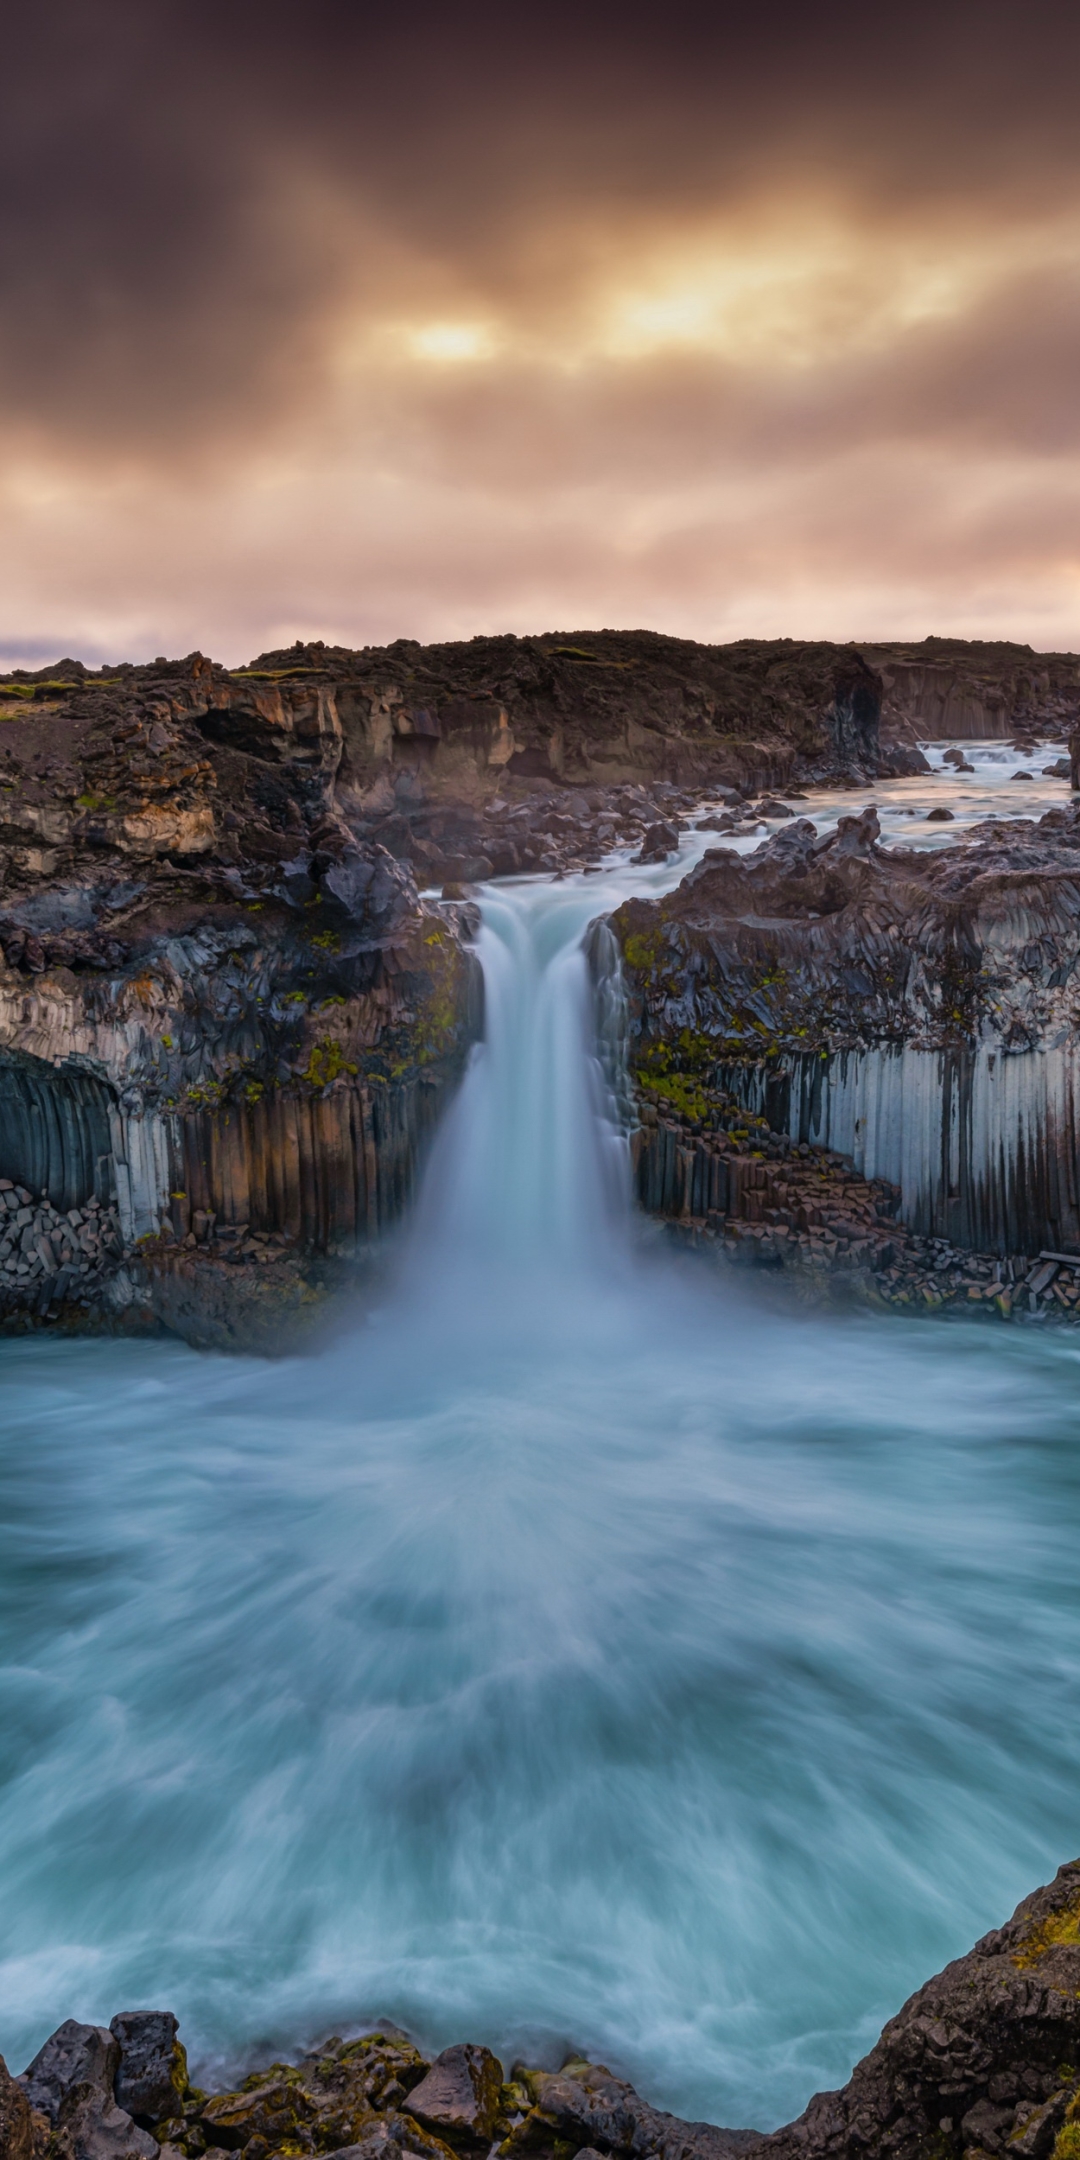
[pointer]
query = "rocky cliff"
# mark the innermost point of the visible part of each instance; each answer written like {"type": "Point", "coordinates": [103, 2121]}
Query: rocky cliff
{"type": "Point", "coordinates": [913, 1013]}
{"type": "Point", "coordinates": [983, 2061]}
{"type": "Point", "coordinates": [228, 1020]}
{"type": "Point", "coordinates": [955, 687]}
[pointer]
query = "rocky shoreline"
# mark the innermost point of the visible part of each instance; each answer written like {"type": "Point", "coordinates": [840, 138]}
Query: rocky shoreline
{"type": "Point", "coordinates": [982, 2061]}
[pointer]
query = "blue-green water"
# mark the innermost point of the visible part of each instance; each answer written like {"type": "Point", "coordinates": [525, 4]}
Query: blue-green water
{"type": "Point", "coordinates": [574, 1654]}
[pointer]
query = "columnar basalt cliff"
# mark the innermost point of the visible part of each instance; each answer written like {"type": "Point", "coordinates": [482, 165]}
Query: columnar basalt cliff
{"type": "Point", "coordinates": [953, 687]}
{"type": "Point", "coordinates": [224, 1017]}
{"type": "Point", "coordinates": [982, 2061]}
{"type": "Point", "coordinates": [915, 1013]}
{"type": "Point", "coordinates": [228, 1021]}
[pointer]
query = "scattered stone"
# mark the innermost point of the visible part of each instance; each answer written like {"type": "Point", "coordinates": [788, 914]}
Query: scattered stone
{"type": "Point", "coordinates": [459, 2098]}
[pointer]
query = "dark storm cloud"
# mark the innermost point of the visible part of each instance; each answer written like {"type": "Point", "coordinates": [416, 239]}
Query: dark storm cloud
{"type": "Point", "coordinates": [363, 320]}
{"type": "Point", "coordinates": [190, 193]}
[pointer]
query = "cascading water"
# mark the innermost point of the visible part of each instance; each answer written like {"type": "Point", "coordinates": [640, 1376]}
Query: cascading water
{"type": "Point", "coordinates": [575, 1655]}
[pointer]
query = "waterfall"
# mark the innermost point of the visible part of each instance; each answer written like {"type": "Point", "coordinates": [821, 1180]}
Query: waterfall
{"type": "Point", "coordinates": [531, 1166]}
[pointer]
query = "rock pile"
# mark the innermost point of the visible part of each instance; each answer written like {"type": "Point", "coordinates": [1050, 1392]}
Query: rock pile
{"type": "Point", "coordinates": [552, 830]}
{"type": "Point", "coordinates": [727, 1184]}
{"type": "Point", "coordinates": [983, 2061]}
{"type": "Point", "coordinates": [48, 1258]}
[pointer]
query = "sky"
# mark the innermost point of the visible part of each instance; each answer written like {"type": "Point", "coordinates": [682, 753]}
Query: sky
{"type": "Point", "coordinates": [327, 318]}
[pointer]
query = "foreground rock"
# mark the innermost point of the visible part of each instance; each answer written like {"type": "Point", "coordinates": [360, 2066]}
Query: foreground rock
{"type": "Point", "coordinates": [905, 1015]}
{"type": "Point", "coordinates": [983, 2060]}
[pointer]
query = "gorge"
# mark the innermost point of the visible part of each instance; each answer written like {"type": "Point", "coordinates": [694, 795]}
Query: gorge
{"type": "Point", "coordinates": [570, 1650]}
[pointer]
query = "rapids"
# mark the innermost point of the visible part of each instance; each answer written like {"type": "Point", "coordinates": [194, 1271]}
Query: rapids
{"type": "Point", "coordinates": [575, 1653]}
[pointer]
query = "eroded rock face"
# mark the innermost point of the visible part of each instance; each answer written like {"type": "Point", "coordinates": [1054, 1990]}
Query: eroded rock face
{"type": "Point", "coordinates": [985, 2056]}
{"type": "Point", "coordinates": [917, 1012]}
{"type": "Point", "coordinates": [219, 1004]}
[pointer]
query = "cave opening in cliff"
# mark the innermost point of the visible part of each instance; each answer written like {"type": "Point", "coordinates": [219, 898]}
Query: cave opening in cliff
{"type": "Point", "coordinates": [55, 1132]}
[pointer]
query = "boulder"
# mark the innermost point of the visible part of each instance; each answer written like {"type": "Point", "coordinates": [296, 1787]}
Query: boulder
{"type": "Point", "coordinates": [658, 842]}
{"type": "Point", "coordinates": [73, 2056]}
{"type": "Point", "coordinates": [92, 2127]}
{"type": "Point", "coordinates": [460, 2096]}
{"type": "Point", "coordinates": [152, 2077]}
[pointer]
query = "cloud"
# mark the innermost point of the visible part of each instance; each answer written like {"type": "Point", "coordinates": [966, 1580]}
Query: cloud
{"type": "Point", "coordinates": [359, 322]}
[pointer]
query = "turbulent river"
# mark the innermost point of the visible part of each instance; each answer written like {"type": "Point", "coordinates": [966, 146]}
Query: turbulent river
{"type": "Point", "coordinates": [577, 1653]}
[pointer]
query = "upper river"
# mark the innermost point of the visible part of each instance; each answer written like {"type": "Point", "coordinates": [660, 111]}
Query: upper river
{"type": "Point", "coordinates": [574, 1653]}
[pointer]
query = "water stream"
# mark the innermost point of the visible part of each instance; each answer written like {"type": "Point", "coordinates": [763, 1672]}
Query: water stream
{"type": "Point", "coordinates": [573, 1654]}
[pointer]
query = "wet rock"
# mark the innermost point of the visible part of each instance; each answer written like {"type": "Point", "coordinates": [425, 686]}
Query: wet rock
{"type": "Point", "coordinates": [940, 816]}
{"type": "Point", "coordinates": [93, 2127]}
{"type": "Point", "coordinates": [460, 2096]}
{"type": "Point", "coordinates": [348, 2079]}
{"type": "Point", "coordinates": [585, 2108]}
{"type": "Point", "coordinates": [856, 835]}
{"type": "Point", "coordinates": [74, 2056]}
{"type": "Point", "coordinates": [1002, 2019]}
{"type": "Point", "coordinates": [152, 2077]}
{"type": "Point", "coordinates": [658, 842]}
{"type": "Point", "coordinates": [16, 2119]}
{"type": "Point", "coordinates": [276, 2111]}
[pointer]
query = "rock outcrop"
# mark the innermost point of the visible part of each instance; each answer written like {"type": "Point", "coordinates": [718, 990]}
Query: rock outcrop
{"type": "Point", "coordinates": [983, 2061]}
{"type": "Point", "coordinates": [954, 686]}
{"type": "Point", "coordinates": [917, 1013]}
{"type": "Point", "coordinates": [220, 1006]}
{"type": "Point", "coordinates": [229, 1016]}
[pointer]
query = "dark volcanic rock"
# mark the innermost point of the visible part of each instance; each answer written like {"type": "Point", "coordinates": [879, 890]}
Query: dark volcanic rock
{"type": "Point", "coordinates": [986, 2055]}
{"type": "Point", "coordinates": [73, 2057]}
{"type": "Point", "coordinates": [841, 991]}
{"type": "Point", "coordinates": [585, 2103]}
{"type": "Point", "coordinates": [459, 2097]}
{"type": "Point", "coordinates": [152, 2077]}
{"type": "Point", "coordinates": [93, 2127]}
{"type": "Point", "coordinates": [983, 2060]}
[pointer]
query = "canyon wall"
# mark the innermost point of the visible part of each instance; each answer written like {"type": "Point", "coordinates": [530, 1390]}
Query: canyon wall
{"type": "Point", "coordinates": [221, 1012]}
{"type": "Point", "coordinates": [915, 1013]}
{"type": "Point", "coordinates": [227, 1010]}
